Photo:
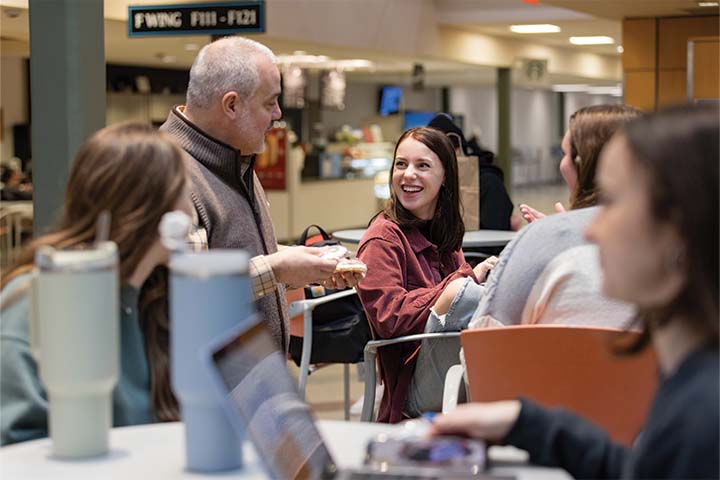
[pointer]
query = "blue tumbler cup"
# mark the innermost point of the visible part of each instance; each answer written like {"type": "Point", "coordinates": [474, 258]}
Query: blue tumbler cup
{"type": "Point", "coordinates": [209, 294]}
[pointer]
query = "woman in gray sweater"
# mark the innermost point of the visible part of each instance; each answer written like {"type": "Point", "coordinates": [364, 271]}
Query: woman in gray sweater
{"type": "Point", "coordinates": [657, 233]}
{"type": "Point", "coordinates": [137, 175]}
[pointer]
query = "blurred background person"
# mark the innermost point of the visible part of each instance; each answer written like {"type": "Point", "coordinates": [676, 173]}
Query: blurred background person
{"type": "Point", "coordinates": [495, 205]}
{"type": "Point", "coordinates": [137, 175]}
{"type": "Point", "coordinates": [14, 185]}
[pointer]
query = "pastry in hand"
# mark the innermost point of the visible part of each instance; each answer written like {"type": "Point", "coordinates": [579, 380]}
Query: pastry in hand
{"type": "Point", "coordinates": [335, 252]}
{"type": "Point", "coordinates": [352, 265]}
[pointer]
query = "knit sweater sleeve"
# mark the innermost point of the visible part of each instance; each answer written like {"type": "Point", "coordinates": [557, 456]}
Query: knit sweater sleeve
{"type": "Point", "coordinates": [558, 438]}
{"type": "Point", "coordinates": [23, 400]}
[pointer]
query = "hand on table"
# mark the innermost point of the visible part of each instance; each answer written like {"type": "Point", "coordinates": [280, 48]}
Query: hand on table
{"type": "Point", "coordinates": [482, 269]}
{"type": "Point", "coordinates": [488, 421]}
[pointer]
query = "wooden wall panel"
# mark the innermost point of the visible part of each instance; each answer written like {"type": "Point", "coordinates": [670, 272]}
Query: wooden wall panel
{"type": "Point", "coordinates": [638, 38]}
{"type": "Point", "coordinates": [639, 89]}
{"type": "Point", "coordinates": [706, 65]}
{"type": "Point", "coordinates": [673, 34]}
{"type": "Point", "coordinates": [655, 59]}
{"type": "Point", "coordinates": [672, 87]}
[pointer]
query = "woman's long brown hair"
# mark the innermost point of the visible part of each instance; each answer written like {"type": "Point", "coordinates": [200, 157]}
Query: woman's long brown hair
{"type": "Point", "coordinates": [678, 149]}
{"type": "Point", "coordinates": [590, 129]}
{"type": "Point", "coordinates": [446, 227]}
{"type": "Point", "coordinates": [136, 174]}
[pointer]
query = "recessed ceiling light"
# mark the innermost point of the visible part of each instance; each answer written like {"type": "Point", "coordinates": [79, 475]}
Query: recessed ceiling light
{"type": "Point", "coordinates": [353, 64]}
{"type": "Point", "coordinates": [708, 4]}
{"type": "Point", "coordinates": [570, 87]}
{"type": "Point", "coordinates": [597, 40]}
{"type": "Point", "coordinates": [620, 49]}
{"type": "Point", "coordinates": [540, 28]}
{"type": "Point", "coordinates": [300, 57]}
{"type": "Point", "coordinates": [612, 90]}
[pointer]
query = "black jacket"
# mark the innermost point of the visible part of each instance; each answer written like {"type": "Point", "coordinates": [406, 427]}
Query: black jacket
{"type": "Point", "coordinates": [680, 439]}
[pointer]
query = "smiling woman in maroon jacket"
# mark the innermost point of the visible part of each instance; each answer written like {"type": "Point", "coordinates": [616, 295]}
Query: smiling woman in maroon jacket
{"type": "Point", "coordinates": [413, 250]}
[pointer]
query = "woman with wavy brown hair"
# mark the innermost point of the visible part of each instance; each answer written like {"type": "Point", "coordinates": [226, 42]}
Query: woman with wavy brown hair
{"type": "Point", "coordinates": [588, 130]}
{"type": "Point", "coordinates": [137, 175]}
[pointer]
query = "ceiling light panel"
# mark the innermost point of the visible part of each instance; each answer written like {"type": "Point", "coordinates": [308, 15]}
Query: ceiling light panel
{"type": "Point", "coordinates": [539, 28]}
{"type": "Point", "coordinates": [596, 40]}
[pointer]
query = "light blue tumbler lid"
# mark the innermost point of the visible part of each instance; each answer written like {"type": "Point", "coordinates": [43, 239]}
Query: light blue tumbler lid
{"type": "Point", "coordinates": [218, 262]}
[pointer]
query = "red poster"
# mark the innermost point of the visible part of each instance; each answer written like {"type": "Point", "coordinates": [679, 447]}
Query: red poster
{"type": "Point", "coordinates": [271, 165]}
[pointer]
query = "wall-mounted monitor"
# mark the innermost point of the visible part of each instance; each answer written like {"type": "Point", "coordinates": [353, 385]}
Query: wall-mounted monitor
{"type": "Point", "coordinates": [417, 119]}
{"type": "Point", "coordinates": [390, 98]}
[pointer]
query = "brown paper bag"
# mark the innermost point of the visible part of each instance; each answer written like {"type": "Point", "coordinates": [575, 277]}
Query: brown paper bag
{"type": "Point", "coordinates": [469, 175]}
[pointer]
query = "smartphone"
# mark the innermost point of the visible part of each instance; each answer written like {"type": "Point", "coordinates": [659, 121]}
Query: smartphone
{"type": "Point", "coordinates": [454, 456]}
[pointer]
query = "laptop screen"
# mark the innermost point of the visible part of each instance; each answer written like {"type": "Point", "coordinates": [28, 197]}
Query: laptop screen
{"type": "Point", "coordinates": [260, 389]}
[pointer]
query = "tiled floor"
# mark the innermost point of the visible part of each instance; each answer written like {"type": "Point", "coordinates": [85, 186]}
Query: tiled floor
{"type": "Point", "coordinates": [325, 390]}
{"type": "Point", "coordinates": [325, 386]}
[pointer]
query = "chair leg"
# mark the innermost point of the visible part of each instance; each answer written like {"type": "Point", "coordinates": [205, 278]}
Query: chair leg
{"type": "Point", "coordinates": [369, 397]}
{"type": "Point", "coordinates": [346, 378]}
{"type": "Point", "coordinates": [306, 350]}
{"type": "Point", "coordinates": [451, 391]}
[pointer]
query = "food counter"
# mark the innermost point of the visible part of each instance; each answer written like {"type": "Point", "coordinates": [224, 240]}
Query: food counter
{"type": "Point", "coordinates": [332, 203]}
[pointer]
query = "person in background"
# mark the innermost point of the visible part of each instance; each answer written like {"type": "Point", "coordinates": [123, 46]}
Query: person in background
{"type": "Point", "coordinates": [495, 205]}
{"type": "Point", "coordinates": [13, 186]}
{"type": "Point", "coordinates": [413, 250]}
{"type": "Point", "coordinates": [232, 101]}
{"type": "Point", "coordinates": [526, 257]}
{"type": "Point", "coordinates": [579, 162]}
{"type": "Point", "coordinates": [137, 175]}
{"type": "Point", "coordinates": [657, 232]}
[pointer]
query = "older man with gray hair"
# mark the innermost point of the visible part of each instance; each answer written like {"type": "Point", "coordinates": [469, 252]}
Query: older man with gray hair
{"type": "Point", "coordinates": [232, 101]}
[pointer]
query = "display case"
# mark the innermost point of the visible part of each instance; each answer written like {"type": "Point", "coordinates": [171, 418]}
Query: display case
{"type": "Point", "coordinates": [343, 160]}
{"type": "Point", "coordinates": [343, 195]}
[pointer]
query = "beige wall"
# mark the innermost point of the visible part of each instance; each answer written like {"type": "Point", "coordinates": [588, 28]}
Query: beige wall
{"type": "Point", "coordinates": [145, 108]}
{"type": "Point", "coordinates": [13, 100]}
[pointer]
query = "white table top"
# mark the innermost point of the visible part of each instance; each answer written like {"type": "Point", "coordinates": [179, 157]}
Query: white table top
{"type": "Point", "coordinates": [157, 451]}
{"type": "Point", "coordinates": [24, 206]}
{"type": "Point", "coordinates": [473, 238]}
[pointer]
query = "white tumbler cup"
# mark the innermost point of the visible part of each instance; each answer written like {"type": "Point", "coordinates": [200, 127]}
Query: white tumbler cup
{"type": "Point", "coordinates": [75, 333]}
{"type": "Point", "coordinates": [209, 294]}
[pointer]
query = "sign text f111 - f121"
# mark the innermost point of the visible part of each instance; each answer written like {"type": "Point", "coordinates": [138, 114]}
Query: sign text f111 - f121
{"type": "Point", "coordinates": [197, 19]}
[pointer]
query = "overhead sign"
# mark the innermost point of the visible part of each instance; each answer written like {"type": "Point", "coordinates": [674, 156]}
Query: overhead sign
{"type": "Point", "coordinates": [224, 18]}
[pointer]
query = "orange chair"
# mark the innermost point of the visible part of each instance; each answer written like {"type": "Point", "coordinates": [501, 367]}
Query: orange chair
{"type": "Point", "coordinates": [572, 367]}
